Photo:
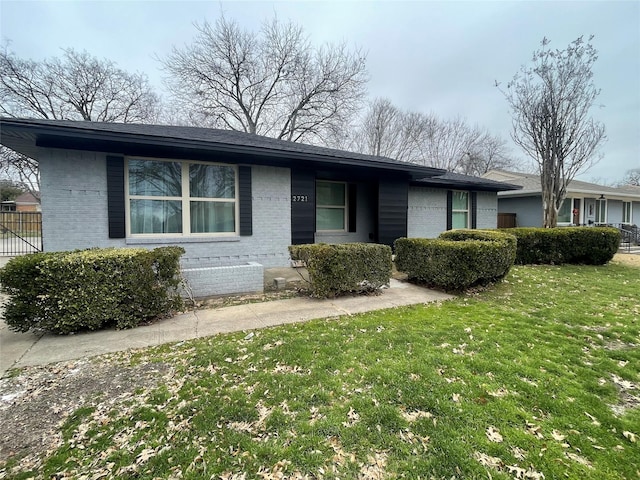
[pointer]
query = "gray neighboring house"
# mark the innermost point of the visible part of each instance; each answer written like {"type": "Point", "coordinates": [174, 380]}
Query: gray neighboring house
{"type": "Point", "coordinates": [585, 203]}
{"type": "Point", "coordinates": [234, 201]}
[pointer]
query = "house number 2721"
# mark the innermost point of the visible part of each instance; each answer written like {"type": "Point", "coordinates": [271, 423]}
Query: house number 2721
{"type": "Point", "coordinates": [299, 198]}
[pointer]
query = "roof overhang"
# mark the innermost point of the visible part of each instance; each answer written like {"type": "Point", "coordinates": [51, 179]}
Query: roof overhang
{"type": "Point", "coordinates": [29, 136]}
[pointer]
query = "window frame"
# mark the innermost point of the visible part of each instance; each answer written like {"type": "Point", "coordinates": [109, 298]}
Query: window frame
{"type": "Point", "coordinates": [467, 210]}
{"type": "Point", "coordinates": [567, 201]}
{"type": "Point", "coordinates": [629, 212]}
{"type": "Point", "coordinates": [185, 198]}
{"type": "Point", "coordinates": [345, 207]}
{"type": "Point", "coordinates": [601, 211]}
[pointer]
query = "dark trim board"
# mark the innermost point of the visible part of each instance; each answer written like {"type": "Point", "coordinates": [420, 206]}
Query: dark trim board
{"type": "Point", "coordinates": [303, 206]}
{"type": "Point", "coordinates": [115, 197]}
{"type": "Point", "coordinates": [245, 199]}
{"type": "Point", "coordinates": [393, 204]}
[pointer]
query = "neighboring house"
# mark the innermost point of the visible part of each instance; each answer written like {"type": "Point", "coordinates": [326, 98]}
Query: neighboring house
{"type": "Point", "coordinates": [234, 201]}
{"type": "Point", "coordinates": [585, 203]}
{"type": "Point", "coordinates": [25, 202]}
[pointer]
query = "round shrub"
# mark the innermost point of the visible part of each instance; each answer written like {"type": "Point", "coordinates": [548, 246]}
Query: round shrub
{"type": "Point", "coordinates": [66, 292]}
{"type": "Point", "coordinates": [574, 245]}
{"type": "Point", "coordinates": [344, 268]}
{"type": "Point", "coordinates": [458, 260]}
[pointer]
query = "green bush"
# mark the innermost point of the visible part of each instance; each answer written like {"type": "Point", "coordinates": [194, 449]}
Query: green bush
{"type": "Point", "coordinates": [64, 292]}
{"type": "Point", "coordinates": [458, 260]}
{"type": "Point", "coordinates": [575, 245]}
{"type": "Point", "coordinates": [344, 268]}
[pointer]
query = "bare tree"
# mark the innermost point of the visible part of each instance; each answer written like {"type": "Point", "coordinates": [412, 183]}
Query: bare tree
{"type": "Point", "coordinates": [487, 153]}
{"type": "Point", "coordinates": [21, 169]}
{"type": "Point", "coordinates": [631, 177]}
{"type": "Point", "coordinates": [270, 83]}
{"type": "Point", "coordinates": [550, 103]}
{"type": "Point", "coordinates": [418, 138]}
{"type": "Point", "coordinates": [74, 87]}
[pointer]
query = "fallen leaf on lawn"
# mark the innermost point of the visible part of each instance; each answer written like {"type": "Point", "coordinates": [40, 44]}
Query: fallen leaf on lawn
{"type": "Point", "coordinates": [519, 472]}
{"type": "Point", "coordinates": [493, 434]}
{"type": "Point", "coordinates": [456, 397]}
{"type": "Point", "coordinates": [487, 460]}
{"type": "Point", "coordinates": [501, 392]}
{"type": "Point", "coordinates": [630, 436]}
{"type": "Point", "coordinates": [519, 453]}
{"type": "Point", "coordinates": [145, 455]}
{"type": "Point", "coordinates": [578, 459]}
{"type": "Point", "coordinates": [352, 417]}
{"type": "Point", "coordinates": [557, 435]}
{"type": "Point", "coordinates": [534, 430]}
{"type": "Point", "coordinates": [622, 363]}
{"type": "Point", "coordinates": [593, 419]}
{"type": "Point", "coordinates": [415, 415]}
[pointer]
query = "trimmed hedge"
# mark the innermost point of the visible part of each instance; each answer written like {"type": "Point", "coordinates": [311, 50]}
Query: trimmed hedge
{"type": "Point", "coordinates": [576, 245]}
{"type": "Point", "coordinates": [65, 292]}
{"type": "Point", "coordinates": [458, 259]}
{"type": "Point", "coordinates": [344, 268]}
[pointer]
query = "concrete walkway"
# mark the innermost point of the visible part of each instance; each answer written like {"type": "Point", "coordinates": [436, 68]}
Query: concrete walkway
{"type": "Point", "coordinates": [24, 349]}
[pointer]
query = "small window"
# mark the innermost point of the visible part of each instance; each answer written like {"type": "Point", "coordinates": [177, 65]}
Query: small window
{"type": "Point", "coordinates": [181, 198]}
{"type": "Point", "coordinates": [331, 206]}
{"type": "Point", "coordinates": [626, 212]}
{"type": "Point", "coordinates": [601, 211]}
{"type": "Point", "coordinates": [564, 214]}
{"type": "Point", "coordinates": [460, 210]}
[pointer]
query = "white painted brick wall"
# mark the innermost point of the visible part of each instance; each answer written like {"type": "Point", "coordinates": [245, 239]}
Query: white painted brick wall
{"type": "Point", "coordinates": [427, 215]}
{"type": "Point", "coordinates": [205, 282]}
{"type": "Point", "coordinates": [74, 207]}
{"type": "Point", "coordinates": [487, 213]}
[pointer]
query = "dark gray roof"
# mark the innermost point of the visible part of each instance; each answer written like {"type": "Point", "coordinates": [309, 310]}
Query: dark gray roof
{"type": "Point", "coordinates": [24, 135]}
{"type": "Point", "coordinates": [458, 180]}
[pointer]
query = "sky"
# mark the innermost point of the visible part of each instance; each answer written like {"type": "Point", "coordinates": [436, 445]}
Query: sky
{"type": "Point", "coordinates": [426, 56]}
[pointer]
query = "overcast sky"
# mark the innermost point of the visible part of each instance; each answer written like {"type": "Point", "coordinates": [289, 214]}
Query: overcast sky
{"type": "Point", "coordinates": [427, 56]}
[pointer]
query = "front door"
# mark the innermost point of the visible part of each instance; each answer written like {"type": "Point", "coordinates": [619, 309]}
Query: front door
{"type": "Point", "coordinates": [576, 211]}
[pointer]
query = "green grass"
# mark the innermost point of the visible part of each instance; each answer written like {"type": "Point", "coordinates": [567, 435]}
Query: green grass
{"type": "Point", "coordinates": [544, 363]}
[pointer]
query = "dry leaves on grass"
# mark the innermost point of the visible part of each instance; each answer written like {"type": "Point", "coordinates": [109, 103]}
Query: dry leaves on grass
{"type": "Point", "coordinates": [493, 434]}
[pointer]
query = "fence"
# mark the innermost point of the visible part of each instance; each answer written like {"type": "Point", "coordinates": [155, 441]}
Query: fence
{"type": "Point", "coordinates": [506, 220]}
{"type": "Point", "coordinates": [20, 233]}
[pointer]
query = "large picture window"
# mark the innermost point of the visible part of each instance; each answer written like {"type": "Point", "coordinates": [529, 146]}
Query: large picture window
{"type": "Point", "coordinates": [331, 206]}
{"type": "Point", "coordinates": [460, 210]}
{"type": "Point", "coordinates": [184, 198]}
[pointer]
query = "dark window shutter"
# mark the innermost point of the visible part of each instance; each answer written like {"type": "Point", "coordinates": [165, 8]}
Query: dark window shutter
{"type": "Point", "coordinates": [352, 205]}
{"type": "Point", "coordinates": [449, 209]}
{"type": "Point", "coordinates": [115, 197]}
{"type": "Point", "coordinates": [246, 212]}
{"type": "Point", "coordinates": [474, 209]}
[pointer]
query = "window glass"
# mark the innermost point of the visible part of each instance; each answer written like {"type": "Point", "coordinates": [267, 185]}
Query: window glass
{"type": "Point", "coordinates": [154, 178]}
{"type": "Point", "coordinates": [156, 216]}
{"type": "Point", "coordinates": [459, 220]}
{"type": "Point", "coordinates": [626, 212]}
{"type": "Point", "coordinates": [329, 193]}
{"type": "Point", "coordinates": [460, 201]}
{"type": "Point", "coordinates": [329, 218]}
{"type": "Point", "coordinates": [168, 197]}
{"type": "Point", "coordinates": [564, 214]}
{"type": "Point", "coordinates": [601, 211]}
{"type": "Point", "coordinates": [213, 217]}
{"type": "Point", "coordinates": [212, 181]}
{"type": "Point", "coordinates": [331, 211]}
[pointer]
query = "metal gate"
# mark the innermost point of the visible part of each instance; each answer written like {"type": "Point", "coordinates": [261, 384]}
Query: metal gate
{"type": "Point", "coordinates": [20, 233]}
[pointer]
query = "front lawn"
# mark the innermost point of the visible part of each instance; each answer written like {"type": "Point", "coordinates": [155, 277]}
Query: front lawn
{"type": "Point", "coordinates": [535, 378]}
